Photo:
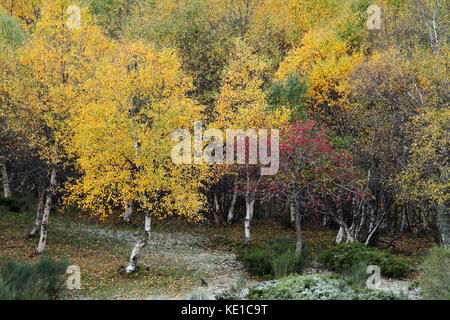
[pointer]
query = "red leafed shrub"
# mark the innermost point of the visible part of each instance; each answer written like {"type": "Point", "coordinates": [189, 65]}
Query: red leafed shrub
{"type": "Point", "coordinates": [312, 172]}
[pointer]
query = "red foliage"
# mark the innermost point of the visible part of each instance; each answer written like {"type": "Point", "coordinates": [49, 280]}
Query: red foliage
{"type": "Point", "coordinates": [312, 172]}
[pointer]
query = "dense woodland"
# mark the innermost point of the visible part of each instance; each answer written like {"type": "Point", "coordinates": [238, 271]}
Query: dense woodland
{"type": "Point", "coordinates": [87, 113]}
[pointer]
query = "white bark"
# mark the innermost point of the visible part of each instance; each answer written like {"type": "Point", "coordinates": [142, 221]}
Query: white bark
{"type": "Point", "coordinates": [443, 224]}
{"type": "Point", "coordinates": [231, 209]}
{"type": "Point", "coordinates": [372, 232]}
{"type": "Point", "coordinates": [340, 235]}
{"type": "Point", "coordinates": [216, 209]}
{"type": "Point", "coordinates": [48, 204]}
{"type": "Point", "coordinates": [349, 234]}
{"type": "Point", "coordinates": [128, 212]}
{"type": "Point", "coordinates": [249, 205]}
{"type": "Point", "coordinates": [5, 181]}
{"type": "Point", "coordinates": [298, 229]}
{"type": "Point", "coordinates": [37, 225]}
{"type": "Point", "coordinates": [404, 224]}
{"type": "Point", "coordinates": [424, 219]}
{"type": "Point", "coordinates": [141, 243]}
{"type": "Point", "coordinates": [292, 214]}
{"type": "Point", "coordinates": [324, 221]}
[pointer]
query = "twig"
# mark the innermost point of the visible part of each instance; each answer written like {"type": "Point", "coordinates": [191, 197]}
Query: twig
{"type": "Point", "coordinates": [204, 283]}
{"type": "Point", "coordinates": [203, 246]}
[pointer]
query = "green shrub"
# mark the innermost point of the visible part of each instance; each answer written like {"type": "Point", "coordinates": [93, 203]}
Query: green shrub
{"type": "Point", "coordinates": [435, 274]}
{"type": "Point", "coordinates": [235, 292]}
{"type": "Point", "coordinates": [199, 295]}
{"type": "Point", "coordinates": [275, 260]}
{"type": "Point", "coordinates": [13, 204]}
{"type": "Point", "coordinates": [358, 274]}
{"type": "Point", "coordinates": [38, 281]}
{"type": "Point", "coordinates": [256, 260]}
{"type": "Point", "coordinates": [343, 256]}
{"type": "Point", "coordinates": [314, 287]}
{"type": "Point", "coordinates": [284, 264]}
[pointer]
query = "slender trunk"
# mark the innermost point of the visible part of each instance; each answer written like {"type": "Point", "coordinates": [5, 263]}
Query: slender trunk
{"type": "Point", "coordinates": [128, 212]}
{"type": "Point", "coordinates": [362, 210]}
{"type": "Point", "coordinates": [5, 181]}
{"type": "Point", "coordinates": [231, 209]}
{"type": "Point", "coordinates": [349, 234]}
{"type": "Point", "coordinates": [404, 224]}
{"type": "Point", "coordinates": [443, 224]}
{"type": "Point", "coordinates": [292, 214]}
{"type": "Point", "coordinates": [424, 219]}
{"type": "Point", "coordinates": [141, 243]}
{"type": "Point", "coordinates": [48, 204]}
{"type": "Point", "coordinates": [216, 209]}
{"type": "Point", "coordinates": [372, 232]}
{"type": "Point", "coordinates": [266, 211]}
{"type": "Point", "coordinates": [298, 229]}
{"type": "Point", "coordinates": [249, 204]}
{"type": "Point", "coordinates": [340, 235]}
{"type": "Point", "coordinates": [324, 221]}
{"type": "Point", "coordinates": [23, 184]}
{"type": "Point", "coordinates": [339, 218]}
{"type": "Point", "coordinates": [37, 225]}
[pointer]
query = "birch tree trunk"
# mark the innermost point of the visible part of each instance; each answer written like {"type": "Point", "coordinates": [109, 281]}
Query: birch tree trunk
{"type": "Point", "coordinates": [292, 214]}
{"type": "Point", "coordinates": [231, 209]}
{"type": "Point", "coordinates": [349, 235]}
{"type": "Point", "coordinates": [324, 221]}
{"type": "Point", "coordinates": [141, 243]}
{"type": "Point", "coordinates": [5, 181]}
{"type": "Point", "coordinates": [127, 213]}
{"type": "Point", "coordinates": [443, 224]}
{"type": "Point", "coordinates": [249, 205]}
{"type": "Point", "coordinates": [298, 230]}
{"type": "Point", "coordinates": [424, 219]}
{"type": "Point", "coordinates": [340, 235]}
{"type": "Point", "coordinates": [404, 224]}
{"type": "Point", "coordinates": [216, 209]}
{"type": "Point", "coordinates": [37, 225]}
{"type": "Point", "coordinates": [48, 204]}
{"type": "Point", "coordinates": [372, 232]}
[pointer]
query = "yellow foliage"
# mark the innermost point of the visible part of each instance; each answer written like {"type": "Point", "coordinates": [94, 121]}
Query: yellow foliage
{"type": "Point", "coordinates": [122, 136]}
{"type": "Point", "coordinates": [56, 62]}
{"type": "Point", "coordinates": [242, 102]}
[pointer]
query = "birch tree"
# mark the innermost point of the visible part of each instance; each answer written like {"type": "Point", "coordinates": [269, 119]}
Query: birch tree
{"type": "Point", "coordinates": [56, 61]}
{"type": "Point", "coordinates": [122, 140]}
{"type": "Point", "coordinates": [242, 106]}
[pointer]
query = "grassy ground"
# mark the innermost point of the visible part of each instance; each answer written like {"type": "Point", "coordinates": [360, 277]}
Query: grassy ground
{"type": "Point", "coordinates": [178, 256]}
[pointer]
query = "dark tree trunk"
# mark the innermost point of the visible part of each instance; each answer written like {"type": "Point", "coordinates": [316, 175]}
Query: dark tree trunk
{"type": "Point", "coordinates": [298, 230]}
{"type": "Point", "coordinates": [443, 224]}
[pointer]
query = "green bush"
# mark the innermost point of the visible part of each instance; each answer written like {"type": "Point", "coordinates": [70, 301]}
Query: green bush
{"type": "Point", "coordinates": [199, 295]}
{"type": "Point", "coordinates": [343, 256]}
{"type": "Point", "coordinates": [38, 281]}
{"type": "Point", "coordinates": [284, 264]}
{"type": "Point", "coordinates": [277, 259]}
{"type": "Point", "coordinates": [13, 204]}
{"type": "Point", "coordinates": [435, 274]}
{"type": "Point", "coordinates": [235, 292]}
{"type": "Point", "coordinates": [358, 274]}
{"type": "Point", "coordinates": [315, 287]}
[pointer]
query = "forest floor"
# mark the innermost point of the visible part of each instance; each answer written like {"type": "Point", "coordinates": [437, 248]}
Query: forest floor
{"type": "Point", "coordinates": [181, 259]}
